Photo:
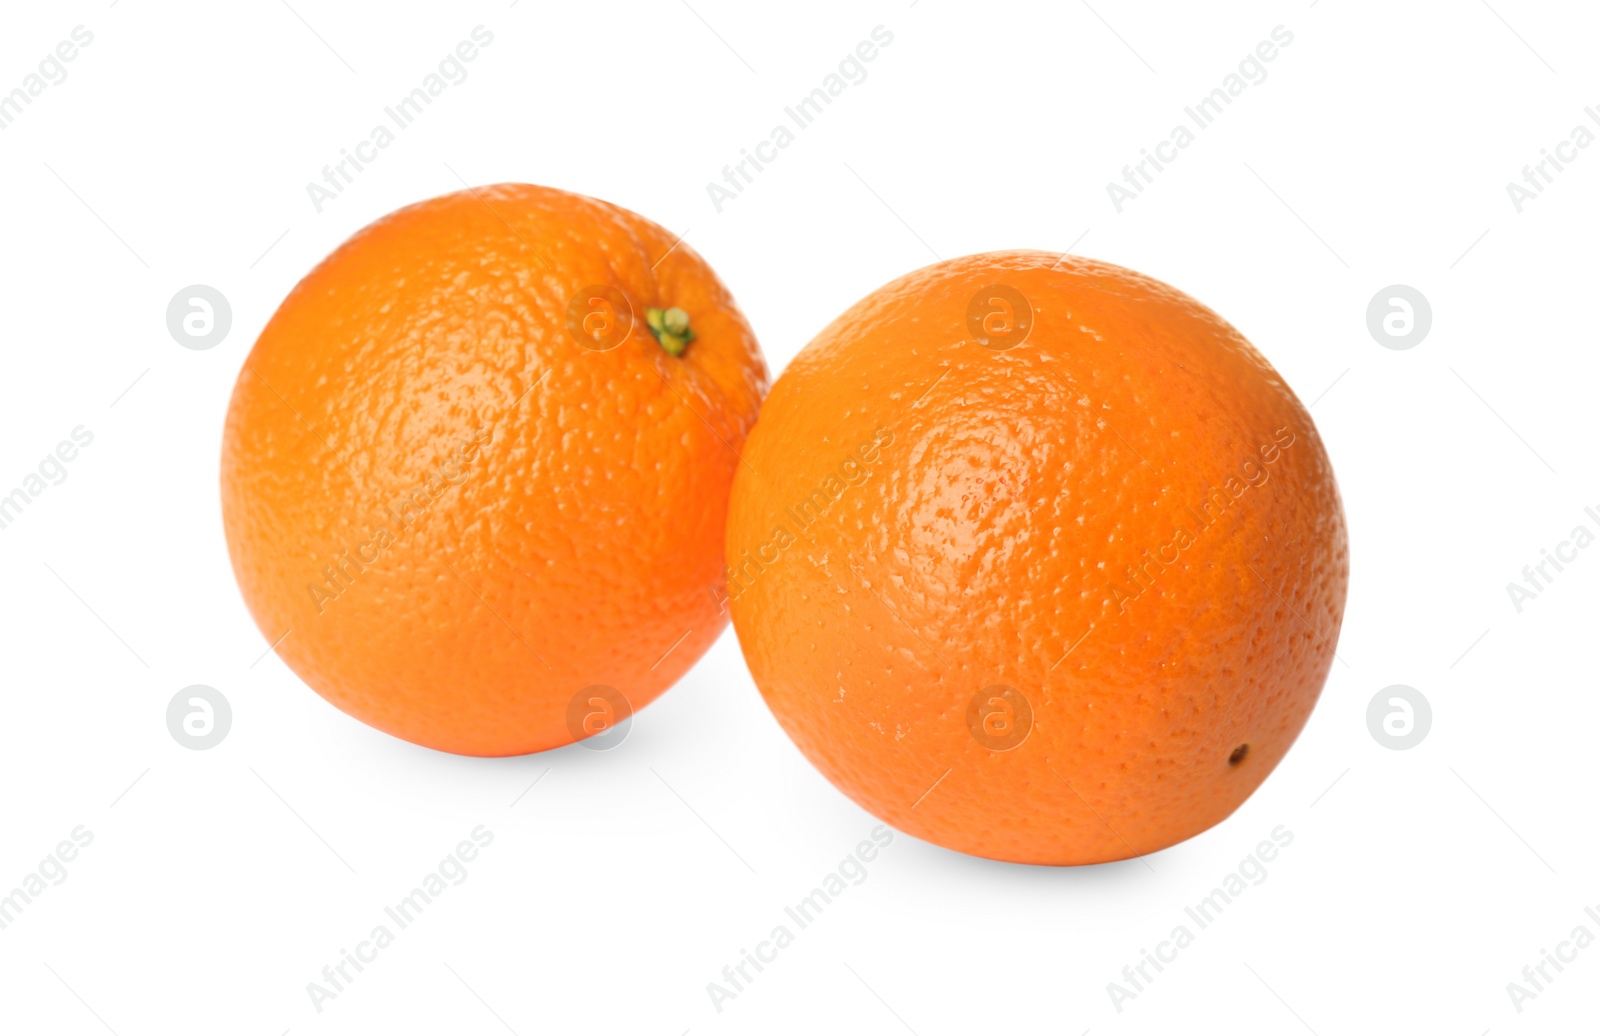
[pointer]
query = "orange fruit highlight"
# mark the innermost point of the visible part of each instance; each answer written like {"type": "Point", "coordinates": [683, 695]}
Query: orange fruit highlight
{"type": "Point", "coordinates": [1037, 559]}
{"type": "Point", "coordinates": [476, 468]}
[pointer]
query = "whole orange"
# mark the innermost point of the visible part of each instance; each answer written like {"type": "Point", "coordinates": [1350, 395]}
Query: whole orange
{"type": "Point", "coordinates": [476, 468]}
{"type": "Point", "coordinates": [1037, 559]}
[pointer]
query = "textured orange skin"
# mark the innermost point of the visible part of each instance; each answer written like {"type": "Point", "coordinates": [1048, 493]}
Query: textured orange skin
{"type": "Point", "coordinates": [982, 547]}
{"type": "Point", "coordinates": [584, 536]}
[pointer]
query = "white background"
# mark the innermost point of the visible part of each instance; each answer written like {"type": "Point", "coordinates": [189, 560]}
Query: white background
{"type": "Point", "coordinates": [219, 883]}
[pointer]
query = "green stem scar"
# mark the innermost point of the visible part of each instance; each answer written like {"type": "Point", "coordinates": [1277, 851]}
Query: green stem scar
{"type": "Point", "coordinates": [671, 328]}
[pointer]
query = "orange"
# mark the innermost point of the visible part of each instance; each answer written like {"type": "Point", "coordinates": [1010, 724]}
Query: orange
{"type": "Point", "coordinates": [1037, 559]}
{"type": "Point", "coordinates": [476, 468]}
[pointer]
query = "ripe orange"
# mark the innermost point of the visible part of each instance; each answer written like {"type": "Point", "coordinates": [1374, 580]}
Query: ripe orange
{"type": "Point", "coordinates": [476, 467]}
{"type": "Point", "coordinates": [1037, 560]}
